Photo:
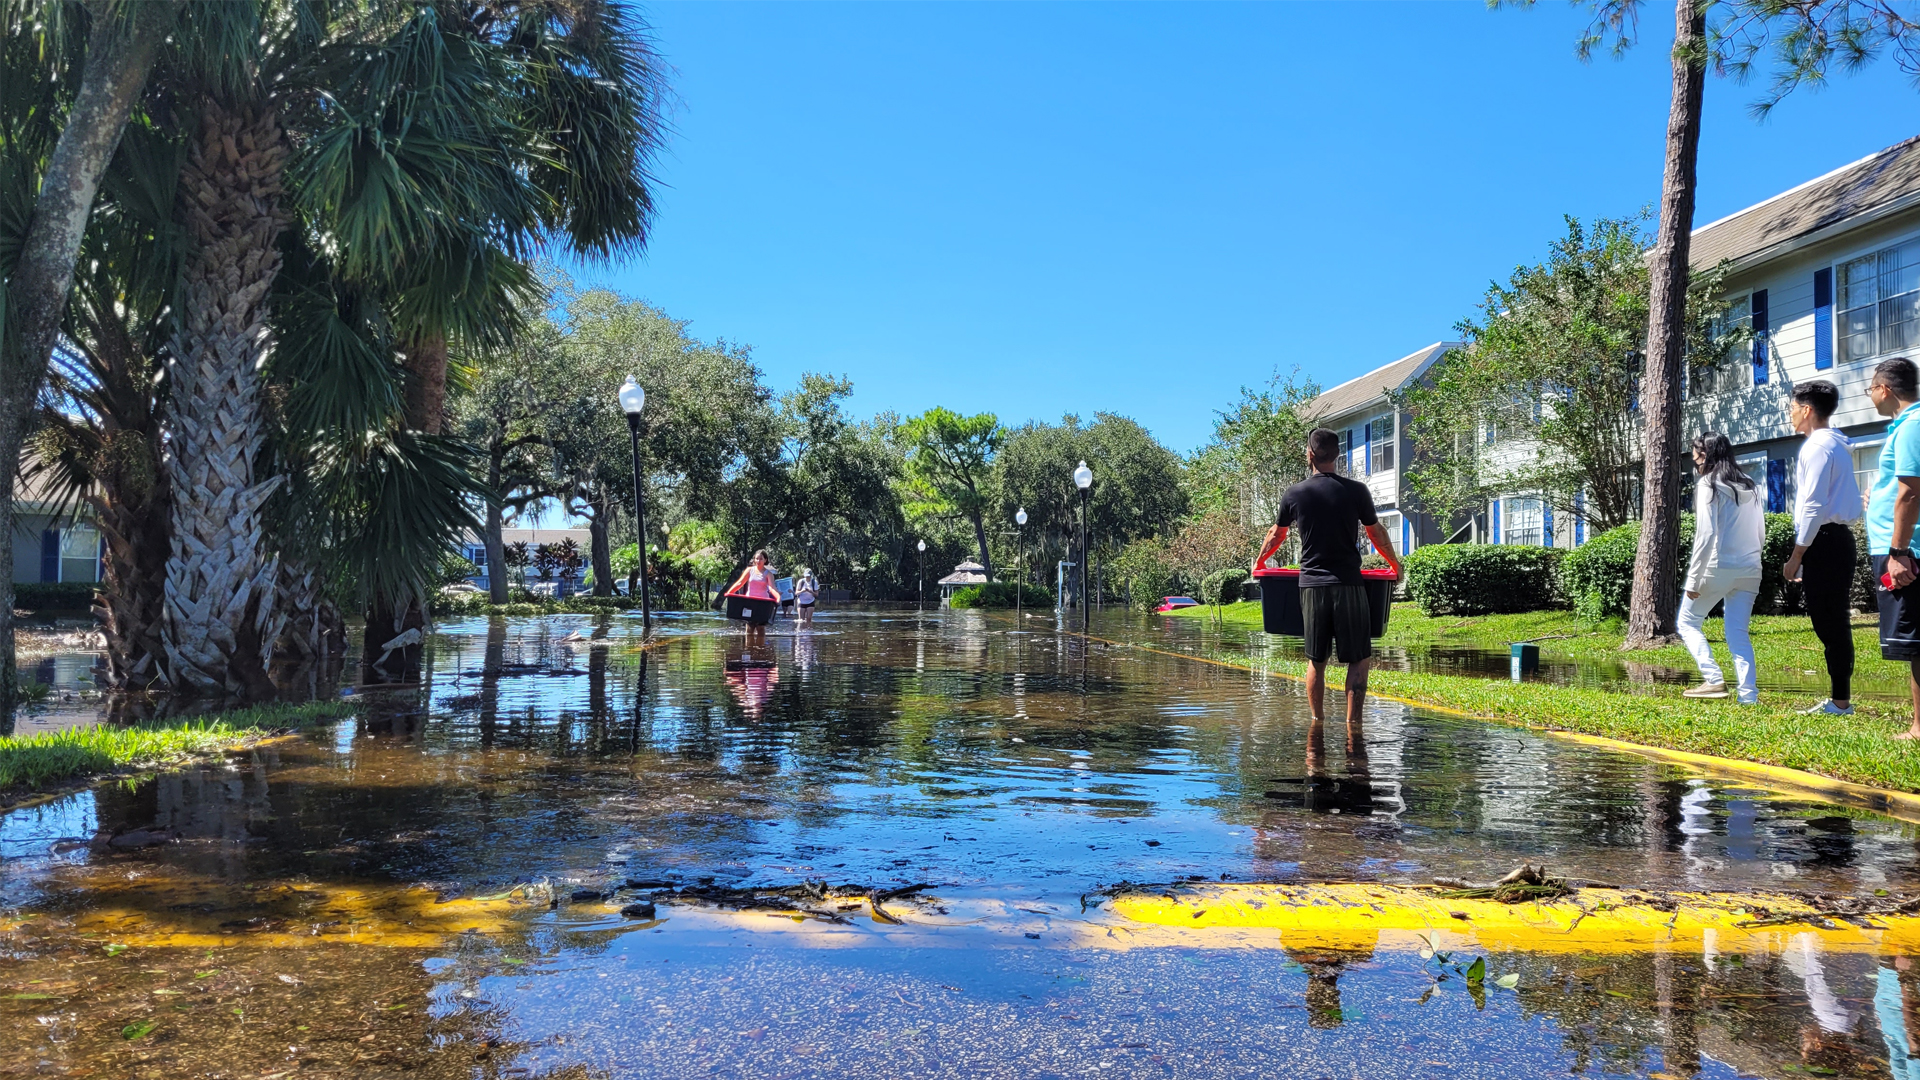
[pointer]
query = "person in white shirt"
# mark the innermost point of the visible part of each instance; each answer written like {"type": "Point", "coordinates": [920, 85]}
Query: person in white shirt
{"type": "Point", "coordinates": [1728, 527]}
{"type": "Point", "coordinates": [1826, 499]}
{"type": "Point", "coordinates": [806, 589]}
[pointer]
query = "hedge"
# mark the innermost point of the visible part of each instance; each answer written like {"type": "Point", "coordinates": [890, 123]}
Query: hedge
{"type": "Point", "coordinates": [53, 595]}
{"type": "Point", "coordinates": [1223, 586]}
{"type": "Point", "coordinates": [1598, 576]}
{"type": "Point", "coordinates": [1000, 594]}
{"type": "Point", "coordinates": [1483, 579]}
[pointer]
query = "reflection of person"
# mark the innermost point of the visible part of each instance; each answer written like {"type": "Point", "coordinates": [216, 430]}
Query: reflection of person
{"type": "Point", "coordinates": [1893, 1003]}
{"type": "Point", "coordinates": [1729, 526]}
{"type": "Point", "coordinates": [1825, 499]}
{"type": "Point", "coordinates": [1324, 961]}
{"type": "Point", "coordinates": [753, 687]}
{"type": "Point", "coordinates": [1329, 510]}
{"type": "Point", "coordinates": [756, 581]}
{"type": "Point", "coordinates": [806, 590]}
{"type": "Point", "coordinates": [1323, 793]}
{"type": "Point", "coordinates": [1893, 522]}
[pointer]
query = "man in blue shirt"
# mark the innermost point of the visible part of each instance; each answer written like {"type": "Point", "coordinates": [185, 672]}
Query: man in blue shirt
{"type": "Point", "coordinates": [1893, 521]}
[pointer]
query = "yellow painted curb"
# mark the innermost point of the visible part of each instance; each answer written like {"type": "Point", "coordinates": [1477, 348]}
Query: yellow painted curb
{"type": "Point", "coordinates": [1896, 804]}
{"type": "Point", "coordinates": [1362, 917]}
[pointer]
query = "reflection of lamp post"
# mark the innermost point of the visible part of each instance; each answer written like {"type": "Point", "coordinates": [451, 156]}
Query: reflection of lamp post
{"type": "Point", "coordinates": [1083, 479]}
{"type": "Point", "coordinates": [632, 400]}
{"type": "Point", "coordinates": [1020, 583]}
{"type": "Point", "coordinates": [922, 579]}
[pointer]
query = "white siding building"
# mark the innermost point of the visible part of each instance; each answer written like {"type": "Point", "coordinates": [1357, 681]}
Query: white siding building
{"type": "Point", "coordinates": [1374, 444]}
{"type": "Point", "coordinates": [1828, 276]}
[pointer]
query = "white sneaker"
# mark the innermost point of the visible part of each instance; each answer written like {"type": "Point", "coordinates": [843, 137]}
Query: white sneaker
{"type": "Point", "coordinates": [1828, 708]}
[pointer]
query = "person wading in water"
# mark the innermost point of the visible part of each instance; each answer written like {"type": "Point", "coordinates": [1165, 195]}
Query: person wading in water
{"type": "Point", "coordinates": [1329, 510]}
{"type": "Point", "coordinates": [756, 581]}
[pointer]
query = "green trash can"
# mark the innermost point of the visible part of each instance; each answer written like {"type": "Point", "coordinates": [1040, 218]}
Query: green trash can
{"type": "Point", "coordinates": [1524, 659]}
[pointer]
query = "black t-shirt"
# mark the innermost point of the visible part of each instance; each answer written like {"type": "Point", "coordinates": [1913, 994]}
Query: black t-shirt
{"type": "Point", "coordinates": [1327, 511]}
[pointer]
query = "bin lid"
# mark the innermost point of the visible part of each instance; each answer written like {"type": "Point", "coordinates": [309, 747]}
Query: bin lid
{"type": "Point", "coordinates": [1294, 572]}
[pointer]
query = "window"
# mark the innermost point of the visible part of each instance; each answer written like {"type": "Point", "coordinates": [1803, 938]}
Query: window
{"type": "Point", "coordinates": [1754, 465]}
{"type": "Point", "coordinates": [1523, 524]}
{"type": "Point", "coordinates": [1879, 300]}
{"type": "Point", "coordinates": [1380, 432]}
{"type": "Point", "coordinates": [477, 556]}
{"type": "Point", "coordinates": [1391, 522]}
{"type": "Point", "coordinates": [1866, 464]}
{"type": "Point", "coordinates": [1734, 368]}
{"type": "Point", "coordinates": [80, 554]}
{"type": "Point", "coordinates": [1346, 452]}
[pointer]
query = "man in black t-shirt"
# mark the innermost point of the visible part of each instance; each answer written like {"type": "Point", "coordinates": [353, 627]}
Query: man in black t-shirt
{"type": "Point", "coordinates": [1329, 510]}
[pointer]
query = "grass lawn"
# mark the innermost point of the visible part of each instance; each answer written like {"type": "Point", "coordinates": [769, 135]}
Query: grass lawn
{"type": "Point", "coordinates": [34, 763]}
{"type": "Point", "coordinates": [1857, 748]}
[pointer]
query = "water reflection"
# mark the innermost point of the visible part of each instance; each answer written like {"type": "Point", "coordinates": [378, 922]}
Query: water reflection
{"type": "Point", "coordinates": [1018, 773]}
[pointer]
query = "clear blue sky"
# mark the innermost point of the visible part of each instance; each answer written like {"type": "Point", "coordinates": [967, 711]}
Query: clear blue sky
{"type": "Point", "coordinates": [1035, 209]}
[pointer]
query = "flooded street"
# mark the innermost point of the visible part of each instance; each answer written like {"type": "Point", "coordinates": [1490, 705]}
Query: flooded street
{"type": "Point", "coordinates": [564, 856]}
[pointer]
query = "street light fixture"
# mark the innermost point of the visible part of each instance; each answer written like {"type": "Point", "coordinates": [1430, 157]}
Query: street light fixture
{"type": "Point", "coordinates": [921, 603]}
{"type": "Point", "coordinates": [1083, 479]}
{"type": "Point", "coordinates": [632, 400]}
{"type": "Point", "coordinates": [1020, 583]}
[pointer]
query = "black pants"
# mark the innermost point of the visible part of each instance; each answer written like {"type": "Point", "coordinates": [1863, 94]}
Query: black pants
{"type": "Point", "coordinates": [1826, 584]}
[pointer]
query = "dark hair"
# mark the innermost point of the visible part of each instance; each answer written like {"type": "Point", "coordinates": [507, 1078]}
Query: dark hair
{"type": "Point", "coordinates": [1323, 444]}
{"type": "Point", "coordinates": [759, 555]}
{"type": "Point", "coordinates": [1899, 376]}
{"type": "Point", "coordinates": [1819, 395]}
{"type": "Point", "coordinates": [1719, 466]}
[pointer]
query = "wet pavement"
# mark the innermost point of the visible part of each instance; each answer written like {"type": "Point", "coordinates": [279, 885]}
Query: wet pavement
{"type": "Point", "coordinates": [479, 878]}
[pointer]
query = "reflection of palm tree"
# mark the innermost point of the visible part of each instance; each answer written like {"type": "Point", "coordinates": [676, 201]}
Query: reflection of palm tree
{"type": "Point", "coordinates": [517, 557]}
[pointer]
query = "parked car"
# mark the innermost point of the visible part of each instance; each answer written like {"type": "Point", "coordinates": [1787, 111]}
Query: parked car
{"type": "Point", "coordinates": [1175, 603]}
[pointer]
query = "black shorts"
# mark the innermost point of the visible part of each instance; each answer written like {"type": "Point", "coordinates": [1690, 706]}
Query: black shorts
{"type": "Point", "coordinates": [1899, 616]}
{"type": "Point", "coordinates": [1338, 622]}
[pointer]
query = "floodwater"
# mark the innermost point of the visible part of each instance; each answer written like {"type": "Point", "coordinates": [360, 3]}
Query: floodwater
{"type": "Point", "coordinates": [544, 862]}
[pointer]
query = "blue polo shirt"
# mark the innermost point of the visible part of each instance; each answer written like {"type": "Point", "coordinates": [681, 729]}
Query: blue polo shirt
{"type": "Point", "coordinates": [1899, 456]}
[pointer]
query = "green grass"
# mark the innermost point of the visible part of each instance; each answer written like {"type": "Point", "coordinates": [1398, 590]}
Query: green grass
{"type": "Point", "coordinates": [1859, 748]}
{"type": "Point", "coordinates": [1780, 642]}
{"type": "Point", "coordinates": [32, 763]}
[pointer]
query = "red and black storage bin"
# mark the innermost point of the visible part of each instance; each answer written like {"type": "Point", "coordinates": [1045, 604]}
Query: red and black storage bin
{"type": "Point", "coordinates": [1280, 600]}
{"type": "Point", "coordinates": [750, 609]}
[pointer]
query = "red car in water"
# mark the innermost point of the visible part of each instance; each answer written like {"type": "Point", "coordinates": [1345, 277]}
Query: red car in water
{"type": "Point", "coordinates": [1175, 603]}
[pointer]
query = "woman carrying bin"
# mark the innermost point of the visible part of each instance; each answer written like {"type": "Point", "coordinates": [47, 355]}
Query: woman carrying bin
{"type": "Point", "coordinates": [756, 582]}
{"type": "Point", "coordinates": [1728, 528]}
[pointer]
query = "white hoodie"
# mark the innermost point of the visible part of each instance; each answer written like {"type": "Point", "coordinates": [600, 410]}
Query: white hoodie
{"type": "Point", "coordinates": [1728, 528]}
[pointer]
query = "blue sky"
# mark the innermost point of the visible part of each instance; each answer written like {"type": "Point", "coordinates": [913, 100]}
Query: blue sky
{"type": "Point", "coordinates": [1038, 209]}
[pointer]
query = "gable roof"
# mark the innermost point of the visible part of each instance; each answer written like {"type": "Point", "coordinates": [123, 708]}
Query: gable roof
{"type": "Point", "coordinates": [967, 573]}
{"type": "Point", "coordinates": [1876, 185]}
{"type": "Point", "coordinates": [1355, 393]}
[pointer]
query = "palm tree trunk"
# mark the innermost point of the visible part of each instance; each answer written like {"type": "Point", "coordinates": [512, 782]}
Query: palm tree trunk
{"type": "Point", "coordinates": [220, 621]}
{"type": "Point", "coordinates": [132, 516]}
{"type": "Point", "coordinates": [119, 56]}
{"type": "Point", "coordinates": [1655, 590]}
{"type": "Point", "coordinates": [426, 364]}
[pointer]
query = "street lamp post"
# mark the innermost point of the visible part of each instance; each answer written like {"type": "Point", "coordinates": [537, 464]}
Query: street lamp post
{"type": "Point", "coordinates": [632, 400]}
{"type": "Point", "coordinates": [1083, 479]}
{"type": "Point", "coordinates": [1020, 583]}
{"type": "Point", "coordinates": [921, 603]}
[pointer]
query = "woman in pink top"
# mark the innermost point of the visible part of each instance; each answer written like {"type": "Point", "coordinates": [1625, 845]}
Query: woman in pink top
{"type": "Point", "coordinates": [756, 581]}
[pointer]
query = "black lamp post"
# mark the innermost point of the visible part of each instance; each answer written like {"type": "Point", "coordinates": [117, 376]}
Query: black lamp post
{"type": "Point", "coordinates": [1083, 479]}
{"type": "Point", "coordinates": [632, 400]}
{"type": "Point", "coordinates": [921, 603]}
{"type": "Point", "coordinates": [1020, 582]}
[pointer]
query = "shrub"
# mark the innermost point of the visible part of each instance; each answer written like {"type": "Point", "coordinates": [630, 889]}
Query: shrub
{"type": "Point", "coordinates": [1863, 583]}
{"type": "Point", "coordinates": [1483, 579]}
{"type": "Point", "coordinates": [1149, 572]}
{"type": "Point", "coordinates": [65, 595]}
{"type": "Point", "coordinates": [1222, 586]}
{"type": "Point", "coordinates": [1000, 594]}
{"type": "Point", "coordinates": [1597, 577]}
{"type": "Point", "coordinates": [1778, 596]}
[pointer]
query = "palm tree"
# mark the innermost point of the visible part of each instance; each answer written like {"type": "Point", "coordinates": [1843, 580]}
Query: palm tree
{"type": "Point", "coordinates": [70, 76]}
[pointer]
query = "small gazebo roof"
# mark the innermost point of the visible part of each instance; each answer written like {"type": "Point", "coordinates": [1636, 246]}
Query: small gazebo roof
{"type": "Point", "coordinates": [967, 573]}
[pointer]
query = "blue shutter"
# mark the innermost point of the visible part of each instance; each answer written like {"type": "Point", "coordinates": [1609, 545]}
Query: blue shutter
{"type": "Point", "coordinates": [1823, 318]}
{"type": "Point", "coordinates": [1496, 521]}
{"type": "Point", "coordinates": [1579, 518]}
{"type": "Point", "coordinates": [1406, 527]}
{"type": "Point", "coordinates": [1758, 303]}
{"type": "Point", "coordinates": [1546, 524]}
{"type": "Point", "coordinates": [1776, 485]}
{"type": "Point", "coordinates": [1366, 453]}
{"type": "Point", "coordinates": [50, 555]}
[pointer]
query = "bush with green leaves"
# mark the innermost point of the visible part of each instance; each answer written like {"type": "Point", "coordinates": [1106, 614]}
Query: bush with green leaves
{"type": "Point", "coordinates": [1484, 579]}
{"type": "Point", "coordinates": [1597, 577]}
{"type": "Point", "coordinates": [1001, 594]}
{"type": "Point", "coordinates": [1149, 571]}
{"type": "Point", "coordinates": [1222, 586]}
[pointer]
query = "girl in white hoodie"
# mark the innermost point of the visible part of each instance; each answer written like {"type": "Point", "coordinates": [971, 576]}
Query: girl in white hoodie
{"type": "Point", "coordinates": [1728, 527]}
